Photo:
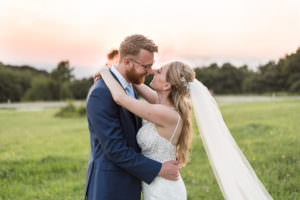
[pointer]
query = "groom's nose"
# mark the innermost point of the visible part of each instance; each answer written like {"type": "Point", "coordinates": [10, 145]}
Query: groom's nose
{"type": "Point", "coordinates": [150, 71]}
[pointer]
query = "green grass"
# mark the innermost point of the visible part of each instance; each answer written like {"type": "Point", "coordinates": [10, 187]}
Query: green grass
{"type": "Point", "coordinates": [265, 94]}
{"type": "Point", "coordinates": [45, 157]}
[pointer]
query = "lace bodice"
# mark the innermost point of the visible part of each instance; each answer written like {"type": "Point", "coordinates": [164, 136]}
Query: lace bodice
{"type": "Point", "coordinates": [153, 145]}
{"type": "Point", "coordinates": [160, 149]}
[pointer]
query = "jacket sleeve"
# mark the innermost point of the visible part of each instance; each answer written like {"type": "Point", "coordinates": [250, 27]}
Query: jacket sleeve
{"type": "Point", "coordinates": [104, 116]}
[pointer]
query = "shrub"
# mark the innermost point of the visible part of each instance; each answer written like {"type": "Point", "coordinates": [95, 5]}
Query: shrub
{"type": "Point", "coordinates": [70, 110]}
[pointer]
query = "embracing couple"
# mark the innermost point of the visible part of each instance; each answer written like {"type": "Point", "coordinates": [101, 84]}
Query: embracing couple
{"type": "Point", "coordinates": [130, 156]}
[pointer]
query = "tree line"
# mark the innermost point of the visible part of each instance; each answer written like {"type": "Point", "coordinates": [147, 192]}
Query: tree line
{"type": "Point", "coordinates": [283, 76]}
{"type": "Point", "coordinates": [26, 83]}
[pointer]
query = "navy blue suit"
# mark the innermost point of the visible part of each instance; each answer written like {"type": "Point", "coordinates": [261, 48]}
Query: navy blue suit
{"type": "Point", "coordinates": [116, 166]}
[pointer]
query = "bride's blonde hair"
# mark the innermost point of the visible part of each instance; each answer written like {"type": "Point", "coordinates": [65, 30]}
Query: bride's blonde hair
{"type": "Point", "coordinates": [178, 75]}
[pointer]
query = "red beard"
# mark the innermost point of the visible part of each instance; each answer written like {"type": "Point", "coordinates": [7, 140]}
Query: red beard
{"type": "Point", "coordinates": [134, 77]}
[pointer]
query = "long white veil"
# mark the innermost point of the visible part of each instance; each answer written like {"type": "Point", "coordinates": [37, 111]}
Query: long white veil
{"type": "Point", "coordinates": [235, 176]}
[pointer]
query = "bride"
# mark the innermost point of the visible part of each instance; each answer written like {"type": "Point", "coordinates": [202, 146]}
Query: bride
{"type": "Point", "coordinates": [167, 134]}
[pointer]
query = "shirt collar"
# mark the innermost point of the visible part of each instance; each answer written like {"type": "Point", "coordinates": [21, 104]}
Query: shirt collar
{"type": "Point", "coordinates": [119, 76]}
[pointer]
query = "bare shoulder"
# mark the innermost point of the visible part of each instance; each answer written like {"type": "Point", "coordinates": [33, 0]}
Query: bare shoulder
{"type": "Point", "coordinates": [169, 115]}
{"type": "Point", "coordinates": [170, 123]}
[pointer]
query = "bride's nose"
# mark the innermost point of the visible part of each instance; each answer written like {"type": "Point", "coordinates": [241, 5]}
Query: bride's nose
{"type": "Point", "coordinates": [154, 71]}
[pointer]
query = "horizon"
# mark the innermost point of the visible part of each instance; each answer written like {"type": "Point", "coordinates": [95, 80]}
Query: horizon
{"type": "Point", "coordinates": [88, 71]}
{"type": "Point", "coordinates": [42, 33]}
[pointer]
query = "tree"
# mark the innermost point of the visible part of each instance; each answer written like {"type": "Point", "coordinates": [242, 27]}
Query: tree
{"type": "Point", "coordinates": [222, 80]}
{"type": "Point", "coordinates": [47, 89]}
{"type": "Point", "coordinates": [271, 78]}
{"type": "Point", "coordinates": [80, 88]}
{"type": "Point", "coordinates": [148, 79]}
{"type": "Point", "coordinates": [63, 72]}
{"type": "Point", "coordinates": [13, 84]}
{"type": "Point", "coordinates": [290, 66]}
{"type": "Point", "coordinates": [40, 90]}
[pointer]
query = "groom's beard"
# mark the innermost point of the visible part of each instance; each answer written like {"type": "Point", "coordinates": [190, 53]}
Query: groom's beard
{"type": "Point", "coordinates": [134, 77]}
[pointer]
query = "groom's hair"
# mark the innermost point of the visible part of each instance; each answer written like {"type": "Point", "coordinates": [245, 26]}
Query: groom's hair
{"type": "Point", "coordinates": [132, 45]}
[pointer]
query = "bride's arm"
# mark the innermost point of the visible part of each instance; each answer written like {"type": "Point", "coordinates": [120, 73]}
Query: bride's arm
{"type": "Point", "coordinates": [147, 93]}
{"type": "Point", "coordinates": [156, 113]}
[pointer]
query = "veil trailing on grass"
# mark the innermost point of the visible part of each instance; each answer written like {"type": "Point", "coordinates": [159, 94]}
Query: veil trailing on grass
{"type": "Point", "coordinates": [234, 174]}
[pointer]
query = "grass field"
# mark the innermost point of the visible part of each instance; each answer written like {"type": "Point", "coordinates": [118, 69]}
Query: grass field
{"type": "Point", "coordinates": [44, 157]}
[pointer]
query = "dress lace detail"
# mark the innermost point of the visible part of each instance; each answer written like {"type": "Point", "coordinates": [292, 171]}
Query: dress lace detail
{"type": "Point", "coordinates": [160, 149]}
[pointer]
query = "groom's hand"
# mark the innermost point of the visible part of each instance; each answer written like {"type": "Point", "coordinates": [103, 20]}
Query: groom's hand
{"type": "Point", "coordinates": [170, 170]}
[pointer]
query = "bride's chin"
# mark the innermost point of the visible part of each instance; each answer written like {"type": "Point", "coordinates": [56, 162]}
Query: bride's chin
{"type": "Point", "coordinates": [151, 85]}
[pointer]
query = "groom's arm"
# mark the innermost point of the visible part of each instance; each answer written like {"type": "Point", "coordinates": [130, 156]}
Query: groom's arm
{"type": "Point", "coordinates": [105, 117]}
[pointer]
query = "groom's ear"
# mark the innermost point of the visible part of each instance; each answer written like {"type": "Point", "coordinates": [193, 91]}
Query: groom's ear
{"type": "Point", "coordinates": [126, 60]}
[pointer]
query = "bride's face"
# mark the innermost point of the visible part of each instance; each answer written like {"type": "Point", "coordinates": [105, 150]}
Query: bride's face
{"type": "Point", "coordinates": [159, 82]}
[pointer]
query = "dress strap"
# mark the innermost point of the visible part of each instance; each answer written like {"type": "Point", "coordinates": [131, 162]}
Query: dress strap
{"type": "Point", "coordinates": [171, 139]}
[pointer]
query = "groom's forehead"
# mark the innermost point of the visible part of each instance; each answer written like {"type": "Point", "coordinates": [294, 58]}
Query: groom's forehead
{"type": "Point", "coordinates": [146, 60]}
{"type": "Point", "coordinates": [145, 53]}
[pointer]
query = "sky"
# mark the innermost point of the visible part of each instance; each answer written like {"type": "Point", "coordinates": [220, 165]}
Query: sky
{"type": "Point", "coordinates": [42, 32]}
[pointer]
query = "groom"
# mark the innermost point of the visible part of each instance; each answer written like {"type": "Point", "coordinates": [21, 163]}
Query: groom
{"type": "Point", "coordinates": [116, 166]}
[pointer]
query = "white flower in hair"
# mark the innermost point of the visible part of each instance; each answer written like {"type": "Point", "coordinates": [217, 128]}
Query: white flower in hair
{"type": "Point", "coordinates": [184, 82]}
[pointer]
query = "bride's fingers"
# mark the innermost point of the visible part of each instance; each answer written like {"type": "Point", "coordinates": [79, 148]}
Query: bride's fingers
{"type": "Point", "coordinates": [174, 162]}
{"type": "Point", "coordinates": [97, 76]}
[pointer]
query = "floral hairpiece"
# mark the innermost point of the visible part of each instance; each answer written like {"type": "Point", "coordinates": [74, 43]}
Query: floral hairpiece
{"type": "Point", "coordinates": [184, 82]}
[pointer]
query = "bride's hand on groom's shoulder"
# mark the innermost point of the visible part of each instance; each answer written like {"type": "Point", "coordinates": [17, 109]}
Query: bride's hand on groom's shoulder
{"type": "Point", "coordinates": [170, 170]}
{"type": "Point", "coordinates": [97, 75]}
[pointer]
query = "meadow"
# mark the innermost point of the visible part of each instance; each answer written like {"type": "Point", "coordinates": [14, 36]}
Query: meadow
{"type": "Point", "coordinates": [45, 157]}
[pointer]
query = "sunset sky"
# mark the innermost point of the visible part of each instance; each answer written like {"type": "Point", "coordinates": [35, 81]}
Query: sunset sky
{"type": "Point", "coordinates": [43, 32]}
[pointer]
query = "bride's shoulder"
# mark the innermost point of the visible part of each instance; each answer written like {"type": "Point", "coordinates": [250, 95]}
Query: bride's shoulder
{"type": "Point", "coordinates": [169, 113]}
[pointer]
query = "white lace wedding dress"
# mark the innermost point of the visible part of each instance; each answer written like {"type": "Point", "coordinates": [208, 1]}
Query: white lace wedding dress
{"type": "Point", "coordinates": [160, 149]}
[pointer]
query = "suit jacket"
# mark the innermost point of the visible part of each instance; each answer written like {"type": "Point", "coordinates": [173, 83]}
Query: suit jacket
{"type": "Point", "coordinates": [116, 166]}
